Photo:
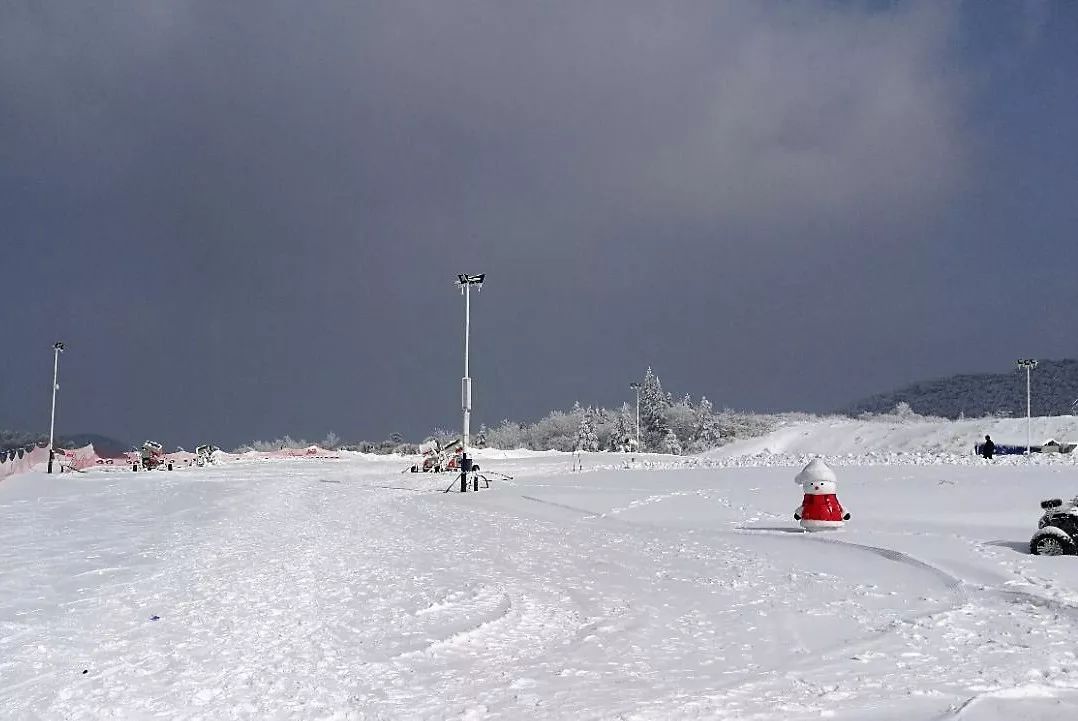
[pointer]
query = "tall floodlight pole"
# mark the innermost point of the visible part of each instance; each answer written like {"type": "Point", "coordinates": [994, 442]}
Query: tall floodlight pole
{"type": "Point", "coordinates": [465, 283]}
{"type": "Point", "coordinates": [636, 387]}
{"type": "Point", "coordinates": [1029, 364]}
{"type": "Point", "coordinates": [57, 349]}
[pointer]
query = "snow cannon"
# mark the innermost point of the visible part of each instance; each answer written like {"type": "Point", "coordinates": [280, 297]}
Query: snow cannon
{"type": "Point", "coordinates": [151, 456]}
{"type": "Point", "coordinates": [205, 455]}
{"type": "Point", "coordinates": [819, 509]}
{"type": "Point", "coordinates": [437, 457]}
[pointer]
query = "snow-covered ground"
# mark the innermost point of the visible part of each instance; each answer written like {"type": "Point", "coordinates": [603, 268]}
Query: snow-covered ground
{"type": "Point", "coordinates": [668, 589]}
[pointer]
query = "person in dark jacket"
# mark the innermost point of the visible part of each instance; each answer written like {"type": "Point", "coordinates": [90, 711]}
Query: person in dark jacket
{"type": "Point", "coordinates": [988, 448]}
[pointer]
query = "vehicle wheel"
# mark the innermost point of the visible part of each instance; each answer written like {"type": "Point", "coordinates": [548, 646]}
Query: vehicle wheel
{"type": "Point", "coordinates": [1052, 541]}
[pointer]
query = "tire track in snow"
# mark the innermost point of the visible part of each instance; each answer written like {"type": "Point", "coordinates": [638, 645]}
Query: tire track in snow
{"type": "Point", "coordinates": [756, 678]}
{"type": "Point", "coordinates": [1054, 699]}
{"type": "Point", "coordinates": [456, 623]}
{"type": "Point", "coordinates": [955, 642]}
{"type": "Point", "coordinates": [837, 653]}
{"type": "Point", "coordinates": [954, 583]}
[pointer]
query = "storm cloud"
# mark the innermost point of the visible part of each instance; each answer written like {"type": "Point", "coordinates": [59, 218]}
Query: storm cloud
{"type": "Point", "coordinates": [246, 218]}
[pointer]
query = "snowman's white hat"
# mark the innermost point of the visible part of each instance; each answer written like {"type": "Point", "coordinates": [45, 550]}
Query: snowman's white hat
{"type": "Point", "coordinates": [817, 470]}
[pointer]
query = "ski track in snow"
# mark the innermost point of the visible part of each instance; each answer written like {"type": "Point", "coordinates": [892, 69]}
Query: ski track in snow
{"type": "Point", "coordinates": [341, 590]}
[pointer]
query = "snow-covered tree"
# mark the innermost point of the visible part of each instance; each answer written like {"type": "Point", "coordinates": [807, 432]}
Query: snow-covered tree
{"type": "Point", "coordinates": [481, 437]}
{"type": "Point", "coordinates": [443, 435]}
{"type": "Point", "coordinates": [623, 430]}
{"type": "Point", "coordinates": [706, 433]}
{"type": "Point", "coordinates": [557, 431]}
{"type": "Point", "coordinates": [586, 439]}
{"type": "Point", "coordinates": [903, 412]}
{"type": "Point", "coordinates": [681, 418]}
{"type": "Point", "coordinates": [506, 435]}
{"type": "Point", "coordinates": [653, 405]}
{"type": "Point", "coordinates": [670, 443]}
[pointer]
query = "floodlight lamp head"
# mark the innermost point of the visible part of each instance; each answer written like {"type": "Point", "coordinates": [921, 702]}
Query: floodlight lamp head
{"type": "Point", "coordinates": [58, 346]}
{"type": "Point", "coordinates": [634, 385]}
{"type": "Point", "coordinates": [476, 280]}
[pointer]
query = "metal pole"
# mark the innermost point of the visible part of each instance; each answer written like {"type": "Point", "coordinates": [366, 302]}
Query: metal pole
{"type": "Point", "coordinates": [55, 385]}
{"type": "Point", "coordinates": [1029, 364]}
{"type": "Point", "coordinates": [466, 387]}
{"type": "Point", "coordinates": [1029, 421]}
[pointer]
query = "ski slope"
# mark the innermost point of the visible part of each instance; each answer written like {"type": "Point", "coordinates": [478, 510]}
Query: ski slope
{"type": "Point", "coordinates": [929, 437]}
{"type": "Point", "coordinates": [661, 589]}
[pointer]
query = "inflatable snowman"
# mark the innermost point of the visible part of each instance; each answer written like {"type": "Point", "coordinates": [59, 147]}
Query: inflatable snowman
{"type": "Point", "coordinates": [820, 509]}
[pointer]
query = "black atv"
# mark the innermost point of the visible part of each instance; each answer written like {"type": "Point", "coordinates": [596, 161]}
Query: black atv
{"type": "Point", "coordinates": [1058, 534]}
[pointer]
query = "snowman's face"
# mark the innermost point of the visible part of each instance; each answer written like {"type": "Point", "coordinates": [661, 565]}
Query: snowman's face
{"type": "Point", "coordinates": [819, 488]}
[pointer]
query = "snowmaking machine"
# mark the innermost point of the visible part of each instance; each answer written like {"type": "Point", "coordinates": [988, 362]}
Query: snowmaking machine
{"type": "Point", "coordinates": [205, 455]}
{"type": "Point", "coordinates": [438, 457]}
{"type": "Point", "coordinates": [151, 456]}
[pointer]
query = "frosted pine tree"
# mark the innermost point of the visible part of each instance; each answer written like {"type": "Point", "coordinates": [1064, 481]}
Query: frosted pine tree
{"type": "Point", "coordinates": [586, 439]}
{"type": "Point", "coordinates": [670, 443]}
{"type": "Point", "coordinates": [603, 422]}
{"type": "Point", "coordinates": [624, 430]}
{"type": "Point", "coordinates": [653, 405]}
{"type": "Point", "coordinates": [681, 418]}
{"type": "Point", "coordinates": [706, 430]}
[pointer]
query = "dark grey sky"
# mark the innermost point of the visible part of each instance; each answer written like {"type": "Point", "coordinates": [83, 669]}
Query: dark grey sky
{"type": "Point", "coordinates": [245, 218]}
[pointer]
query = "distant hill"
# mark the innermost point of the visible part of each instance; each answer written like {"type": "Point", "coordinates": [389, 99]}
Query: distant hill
{"type": "Point", "coordinates": [1054, 390]}
{"type": "Point", "coordinates": [106, 447]}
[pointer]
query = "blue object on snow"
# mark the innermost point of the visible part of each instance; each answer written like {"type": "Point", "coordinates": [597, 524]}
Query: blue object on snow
{"type": "Point", "coordinates": [1002, 450]}
{"type": "Point", "coordinates": [155, 618]}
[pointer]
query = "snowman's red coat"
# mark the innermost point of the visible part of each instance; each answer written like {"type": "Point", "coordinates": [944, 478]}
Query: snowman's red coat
{"type": "Point", "coordinates": [821, 507]}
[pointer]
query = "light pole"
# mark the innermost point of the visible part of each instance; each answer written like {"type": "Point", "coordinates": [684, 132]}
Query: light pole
{"type": "Point", "coordinates": [465, 283]}
{"type": "Point", "coordinates": [1029, 364]}
{"type": "Point", "coordinates": [57, 349]}
{"type": "Point", "coordinates": [636, 387]}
